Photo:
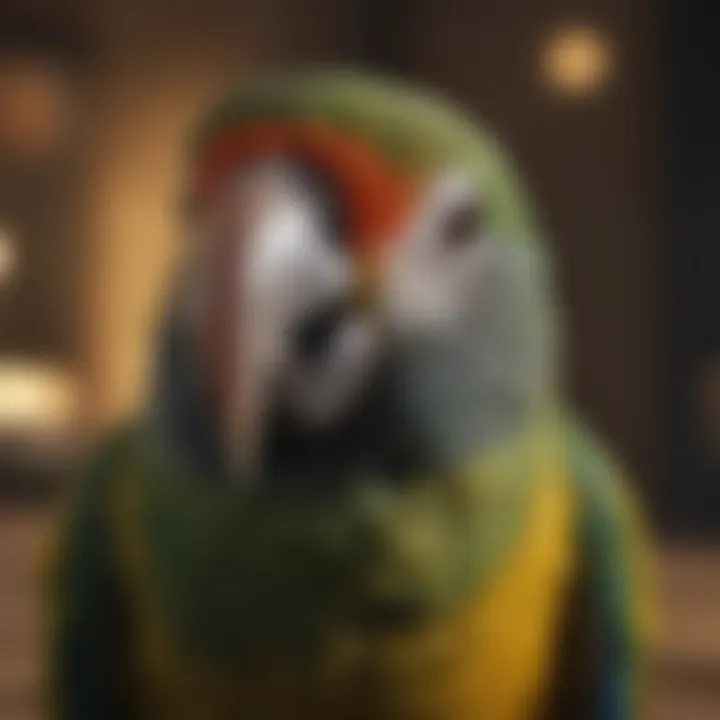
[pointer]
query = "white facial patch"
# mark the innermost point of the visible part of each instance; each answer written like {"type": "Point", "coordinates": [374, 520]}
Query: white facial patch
{"type": "Point", "coordinates": [436, 266]}
{"type": "Point", "coordinates": [297, 268]}
{"type": "Point", "coordinates": [291, 265]}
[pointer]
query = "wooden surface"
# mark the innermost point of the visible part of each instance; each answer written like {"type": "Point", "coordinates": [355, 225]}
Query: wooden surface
{"type": "Point", "coordinates": [688, 677]}
{"type": "Point", "coordinates": [21, 544]}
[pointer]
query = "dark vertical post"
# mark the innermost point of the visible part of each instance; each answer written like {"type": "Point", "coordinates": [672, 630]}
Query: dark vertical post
{"type": "Point", "coordinates": [690, 501]}
{"type": "Point", "coordinates": [384, 41]}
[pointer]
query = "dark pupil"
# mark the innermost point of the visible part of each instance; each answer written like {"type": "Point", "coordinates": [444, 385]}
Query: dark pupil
{"type": "Point", "coordinates": [463, 225]}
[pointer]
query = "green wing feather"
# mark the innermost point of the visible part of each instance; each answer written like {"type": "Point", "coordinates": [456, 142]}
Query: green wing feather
{"type": "Point", "coordinates": [87, 674]}
{"type": "Point", "coordinates": [615, 548]}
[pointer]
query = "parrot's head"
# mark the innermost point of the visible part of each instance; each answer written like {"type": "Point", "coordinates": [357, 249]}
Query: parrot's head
{"type": "Point", "coordinates": [364, 291]}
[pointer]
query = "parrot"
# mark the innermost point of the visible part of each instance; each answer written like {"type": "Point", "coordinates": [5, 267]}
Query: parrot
{"type": "Point", "coordinates": [356, 489]}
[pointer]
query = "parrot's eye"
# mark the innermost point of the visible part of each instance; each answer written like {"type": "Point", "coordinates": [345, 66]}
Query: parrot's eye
{"type": "Point", "coordinates": [463, 225]}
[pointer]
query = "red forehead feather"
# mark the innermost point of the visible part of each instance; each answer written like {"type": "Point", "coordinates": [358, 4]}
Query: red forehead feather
{"type": "Point", "coordinates": [378, 196]}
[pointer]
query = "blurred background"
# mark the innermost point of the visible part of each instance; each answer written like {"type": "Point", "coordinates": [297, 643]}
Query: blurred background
{"type": "Point", "coordinates": [611, 108]}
